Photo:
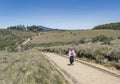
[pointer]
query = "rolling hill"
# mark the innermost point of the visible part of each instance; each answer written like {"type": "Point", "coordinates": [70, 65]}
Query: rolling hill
{"type": "Point", "coordinates": [114, 26]}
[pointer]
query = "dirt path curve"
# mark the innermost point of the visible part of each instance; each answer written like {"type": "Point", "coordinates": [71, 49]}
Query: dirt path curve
{"type": "Point", "coordinates": [80, 73]}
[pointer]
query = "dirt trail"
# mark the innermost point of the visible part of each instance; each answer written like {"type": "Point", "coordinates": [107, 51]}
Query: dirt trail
{"type": "Point", "coordinates": [26, 41]}
{"type": "Point", "coordinates": [80, 73]}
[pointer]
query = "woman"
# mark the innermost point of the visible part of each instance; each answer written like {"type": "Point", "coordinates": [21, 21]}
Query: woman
{"type": "Point", "coordinates": [71, 55]}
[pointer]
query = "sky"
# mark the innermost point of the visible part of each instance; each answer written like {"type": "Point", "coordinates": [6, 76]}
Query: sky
{"type": "Point", "coordinates": [59, 14]}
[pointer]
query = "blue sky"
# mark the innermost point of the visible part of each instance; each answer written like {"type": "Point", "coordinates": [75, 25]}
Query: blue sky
{"type": "Point", "coordinates": [62, 14]}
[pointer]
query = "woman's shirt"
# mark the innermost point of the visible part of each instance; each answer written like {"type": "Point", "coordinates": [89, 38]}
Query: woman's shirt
{"type": "Point", "coordinates": [71, 53]}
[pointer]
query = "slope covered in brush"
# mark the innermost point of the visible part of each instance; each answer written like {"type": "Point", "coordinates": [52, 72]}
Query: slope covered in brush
{"type": "Point", "coordinates": [114, 26]}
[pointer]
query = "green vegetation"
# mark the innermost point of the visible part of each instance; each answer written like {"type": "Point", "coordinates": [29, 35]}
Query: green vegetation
{"type": "Point", "coordinates": [7, 43]}
{"type": "Point", "coordinates": [10, 39]}
{"type": "Point", "coordinates": [102, 38]}
{"type": "Point", "coordinates": [119, 37]}
{"type": "Point", "coordinates": [114, 26]}
{"type": "Point", "coordinates": [29, 67]}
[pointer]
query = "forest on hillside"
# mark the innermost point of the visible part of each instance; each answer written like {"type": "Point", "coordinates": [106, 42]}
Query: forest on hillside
{"type": "Point", "coordinates": [28, 28]}
{"type": "Point", "coordinates": [33, 28]}
{"type": "Point", "coordinates": [114, 26]}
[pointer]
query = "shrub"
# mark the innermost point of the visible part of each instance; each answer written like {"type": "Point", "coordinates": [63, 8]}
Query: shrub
{"type": "Point", "coordinates": [71, 33]}
{"type": "Point", "coordinates": [117, 66]}
{"type": "Point", "coordinates": [37, 34]}
{"type": "Point", "coordinates": [108, 40]}
{"type": "Point", "coordinates": [102, 38]}
{"type": "Point", "coordinates": [31, 38]}
{"type": "Point", "coordinates": [7, 42]}
{"type": "Point", "coordinates": [100, 59]}
{"type": "Point", "coordinates": [113, 55]}
{"type": "Point", "coordinates": [74, 34]}
{"type": "Point", "coordinates": [12, 49]}
{"type": "Point", "coordinates": [119, 37]}
{"type": "Point", "coordinates": [81, 41]}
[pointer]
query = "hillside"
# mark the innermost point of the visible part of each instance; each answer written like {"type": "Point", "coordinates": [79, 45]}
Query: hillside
{"type": "Point", "coordinates": [114, 26]}
{"type": "Point", "coordinates": [29, 67]}
{"type": "Point", "coordinates": [70, 36]}
{"type": "Point", "coordinates": [12, 38]}
{"type": "Point", "coordinates": [98, 46]}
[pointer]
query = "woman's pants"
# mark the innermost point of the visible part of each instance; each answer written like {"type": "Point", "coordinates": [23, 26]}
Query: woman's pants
{"type": "Point", "coordinates": [71, 59]}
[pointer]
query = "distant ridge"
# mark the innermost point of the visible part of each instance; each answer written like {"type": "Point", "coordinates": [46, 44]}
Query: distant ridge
{"type": "Point", "coordinates": [43, 28]}
{"type": "Point", "coordinates": [33, 28]}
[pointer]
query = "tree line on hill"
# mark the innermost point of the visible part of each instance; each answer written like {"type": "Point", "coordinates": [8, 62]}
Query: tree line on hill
{"type": "Point", "coordinates": [114, 26]}
{"type": "Point", "coordinates": [33, 28]}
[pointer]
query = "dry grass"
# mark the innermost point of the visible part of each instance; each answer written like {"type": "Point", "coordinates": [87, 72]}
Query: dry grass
{"type": "Point", "coordinates": [67, 36]}
{"type": "Point", "coordinates": [22, 33]}
{"type": "Point", "coordinates": [29, 67]}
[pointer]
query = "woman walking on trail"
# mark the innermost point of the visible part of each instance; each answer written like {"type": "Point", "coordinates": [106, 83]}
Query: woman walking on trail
{"type": "Point", "coordinates": [71, 55]}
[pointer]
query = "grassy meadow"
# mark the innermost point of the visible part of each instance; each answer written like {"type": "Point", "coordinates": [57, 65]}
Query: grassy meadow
{"type": "Point", "coordinates": [29, 67]}
{"type": "Point", "coordinates": [68, 36]}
